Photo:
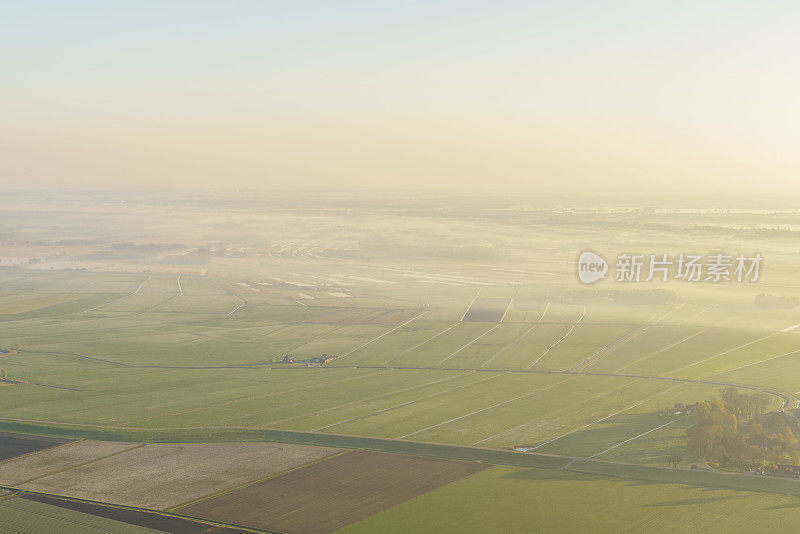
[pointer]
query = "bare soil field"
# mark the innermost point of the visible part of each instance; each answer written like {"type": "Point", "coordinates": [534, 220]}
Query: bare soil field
{"type": "Point", "coordinates": [332, 493]}
{"type": "Point", "coordinates": [160, 476]}
{"type": "Point", "coordinates": [18, 470]}
{"type": "Point", "coordinates": [13, 445]}
{"type": "Point", "coordinates": [486, 310]}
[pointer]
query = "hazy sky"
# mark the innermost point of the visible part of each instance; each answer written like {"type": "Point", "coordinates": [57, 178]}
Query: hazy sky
{"type": "Point", "coordinates": [458, 95]}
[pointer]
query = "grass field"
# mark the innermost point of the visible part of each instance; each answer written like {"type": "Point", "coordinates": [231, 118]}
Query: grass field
{"type": "Point", "coordinates": [524, 500]}
{"type": "Point", "coordinates": [204, 353]}
{"type": "Point", "coordinates": [156, 357]}
{"type": "Point", "coordinates": [20, 515]}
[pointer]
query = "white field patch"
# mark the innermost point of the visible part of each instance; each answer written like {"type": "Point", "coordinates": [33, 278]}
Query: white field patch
{"type": "Point", "coordinates": [445, 279]}
{"type": "Point", "coordinates": [339, 295]}
{"type": "Point", "coordinates": [372, 280]}
{"type": "Point", "coordinates": [341, 282]}
{"type": "Point", "coordinates": [299, 284]}
{"type": "Point", "coordinates": [242, 284]}
{"type": "Point", "coordinates": [304, 296]}
{"type": "Point", "coordinates": [263, 283]}
{"type": "Point", "coordinates": [237, 308]}
{"type": "Point", "coordinates": [446, 276]}
{"type": "Point", "coordinates": [442, 283]}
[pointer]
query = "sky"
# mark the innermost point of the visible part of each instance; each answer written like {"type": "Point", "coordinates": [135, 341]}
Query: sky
{"type": "Point", "coordinates": [518, 97]}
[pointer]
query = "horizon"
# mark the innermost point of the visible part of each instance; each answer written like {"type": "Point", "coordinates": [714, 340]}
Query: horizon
{"type": "Point", "coordinates": [516, 97]}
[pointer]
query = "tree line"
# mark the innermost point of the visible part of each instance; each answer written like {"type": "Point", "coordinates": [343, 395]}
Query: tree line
{"type": "Point", "coordinates": [736, 431]}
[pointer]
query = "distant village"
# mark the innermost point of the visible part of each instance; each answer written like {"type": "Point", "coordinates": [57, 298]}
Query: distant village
{"type": "Point", "coordinates": [317, 360]}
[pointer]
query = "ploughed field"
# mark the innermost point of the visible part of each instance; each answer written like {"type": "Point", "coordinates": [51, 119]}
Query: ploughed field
{"type": "Point", "coordinates": [15, 445]}
{"type": "Point", "coordinates": [273, 486]}
{"type": "Point", "coordinates": [333, 493]}
{"type": "Point", "coordinates": [155, 475]}
{"type": "Point", "coordinates": [323, 490]}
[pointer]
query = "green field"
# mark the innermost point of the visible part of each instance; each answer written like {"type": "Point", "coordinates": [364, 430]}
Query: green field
{"type": "Point", "coordinates": [586, 388]}
{"type": "Point", "coordinates": [143, 351]}
{"type": "Point", "coordinates": [19, 515]}
{"type": "Point", "coordinates": [175, 332]}
{"type": "Point", "coordinates": [538, 500]}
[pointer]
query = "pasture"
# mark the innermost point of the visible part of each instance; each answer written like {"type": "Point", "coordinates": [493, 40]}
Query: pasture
{"type": "Point", "coordinates": [159, 351]}
{"type": "Point", "coordinates": [22, 515]}
{"type": "Point", "coordinates": [409, 376]}
{"type": "Point", "coordinates": [524, 500]}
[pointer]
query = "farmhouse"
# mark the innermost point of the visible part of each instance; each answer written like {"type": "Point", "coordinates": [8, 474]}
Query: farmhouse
{"type": "Point", "coordinates": [324, 358]}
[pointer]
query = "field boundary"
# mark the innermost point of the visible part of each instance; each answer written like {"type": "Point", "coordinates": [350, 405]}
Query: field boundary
{"type": "Point", "coordinates": [510, 458]}
{"type": "Point", "coordinates": [27, 454]}
{"type": "Point", "coordinates": [20, 493]}
{"type": "Point", "coordinates": [254, 482]}
{"type": "Point", "coordinates": [93, 460]}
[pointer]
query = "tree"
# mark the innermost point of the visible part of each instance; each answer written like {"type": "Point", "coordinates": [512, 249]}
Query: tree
{"type": "Point", "coordinates": [734, 431]}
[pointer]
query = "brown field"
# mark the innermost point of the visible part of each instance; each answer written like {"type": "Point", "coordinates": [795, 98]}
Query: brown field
{"type": "Point", "coordinates": [162, 475]}
{"type": "Point", "coordinates": [332, 493]}
{"type": "Point", "coordinates": [13, 445]}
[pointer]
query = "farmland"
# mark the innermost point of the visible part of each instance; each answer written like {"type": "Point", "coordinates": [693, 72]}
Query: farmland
{"type": "Point", "coordinates": [411, 375]}
{"type": "Point", "coordinates": [331, 494]}
{"type": "Point", "coordinates": [20, 515]}
{"type": "Point", "coordinates": [156, 476]}
{"type": "Point", "coordinates": [519, 500]}
{"type": "Point", "coordinates": [14, 445]}
{"type": "Point", "coordinates": [170, 367]}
